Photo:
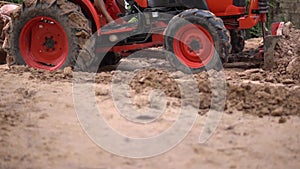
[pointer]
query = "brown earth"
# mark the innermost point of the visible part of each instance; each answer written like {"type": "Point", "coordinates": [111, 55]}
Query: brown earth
{"type": "Point", "coordinates": [259, 129]}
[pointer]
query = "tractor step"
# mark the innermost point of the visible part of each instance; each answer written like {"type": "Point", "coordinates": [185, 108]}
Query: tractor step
{"type": "Point", "coordinates": [114, 28]}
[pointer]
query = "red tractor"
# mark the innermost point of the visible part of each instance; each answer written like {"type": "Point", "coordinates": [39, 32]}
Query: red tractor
{"type": "Point", "coordinates": [50, 34]}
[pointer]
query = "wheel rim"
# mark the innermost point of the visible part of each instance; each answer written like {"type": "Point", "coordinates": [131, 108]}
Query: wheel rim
{"type": "Point", "coordinates": [193, 46]}
{"type": "Point", "coordinates": [43, 43]}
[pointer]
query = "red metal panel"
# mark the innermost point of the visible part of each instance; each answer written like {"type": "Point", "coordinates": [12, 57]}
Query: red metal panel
{"type": "Point", "coordinates": [142, 3]}
{"type": "Point", "coordinates": [89, 9]}
{"type": "Point", "coordinates": [218, 6]}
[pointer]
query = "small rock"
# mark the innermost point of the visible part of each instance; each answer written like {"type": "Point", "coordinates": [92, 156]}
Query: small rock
{"type": "Point", "coordinates": [293, 66]}
{"type": "Point", "coordinates": [241, 74]}
{"type": "Point", "coordinates": [152, 60]}
{"type": "Point", "coordinates": [282, 120]}
{"type": "Point", "coordinates": [68, 71]}
{"type": "Point", "coordinates": [290, 53]}
{"type": "Point", "coordinates": [82, 34]}
{"type": "Point", "coordinates": [231, 127]}
{"type": "Point", "coordinates": [289, 24]}
{"type": "Point", "coordinates": [262, 94]}
{"type": "Point", "coordinates": [277, 112]}
{"type": "Point", "coordinates": [286, 29]}
{"type": "Point", "coordinates": [272, 101]}
{"type": "Point", "coordinates": [233, 167]}
{"type": "Point", "coordinates": [283, 72]}
{"type": "Point", "coordinates": [288, 81]}
{"type": "Point", "coordinates": [102, 92]}
{"type": "Point", "coordinates": [270, 79]}
{"type": "Point", "coordinates": [246, 86]}
{"type": "Point", "coordinates": [142, 80]}
{"type": "Point", "coordinates": [43, 116]}
{"type": "Point", "coordinates": [7, 158]}
{"type": "Point", "coordinates": [178, 74]}
{"type": "Point", "coordinates": [264, 111]}
{"type": "Point", "coordinates": [256, 77]}
{"type": "Point", "coordinates": [251, 71]}
{"type": "Point", "coordinates": [247, 106]}
{"type": "Point", "coordinates": [239, 106]}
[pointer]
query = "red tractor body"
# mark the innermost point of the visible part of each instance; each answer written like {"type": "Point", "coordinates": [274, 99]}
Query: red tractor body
{"type": "Point", "coordinates": [232, 11]}
{"type": "Point", "coordinates": [213, 19]}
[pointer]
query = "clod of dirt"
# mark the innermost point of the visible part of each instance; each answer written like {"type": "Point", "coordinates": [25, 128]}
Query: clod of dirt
{"type": "Point", "coordinates": [102, 92]}
{"type": "Point", "coordinates": [282, 120]}
{"type": "Point", "coordinates": [43, 116]}
{"type": "Point", "coordinates": [293, 68]}
{"type": "Point", "coordinates": [68, 72]}
{"type": "Point", "coordinates": [278, 112]}
{"type": "Point", "coordinates": [288, 81]}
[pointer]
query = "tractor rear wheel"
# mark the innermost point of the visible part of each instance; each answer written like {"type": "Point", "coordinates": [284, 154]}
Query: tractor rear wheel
{"type": "Point", "coordinates": [237, 40]}
{"type": "Point", "coordinates": [197, 41]}
{"type": "Point", "coordinates": [50, 35]}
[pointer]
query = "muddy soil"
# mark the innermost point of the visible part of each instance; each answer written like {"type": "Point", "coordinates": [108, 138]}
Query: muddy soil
{"type": "Point", "coordinates": [260, 126]}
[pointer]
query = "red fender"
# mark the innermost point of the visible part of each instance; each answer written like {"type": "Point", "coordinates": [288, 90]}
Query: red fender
{"type": "Point", "coordinates": [89, 10]}
{"type": "Point", "coordinates": [142, 3]}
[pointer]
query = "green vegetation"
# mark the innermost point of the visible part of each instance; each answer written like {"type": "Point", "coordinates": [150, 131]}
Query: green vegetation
{"type": "Point", "coordinates": [14, 1]}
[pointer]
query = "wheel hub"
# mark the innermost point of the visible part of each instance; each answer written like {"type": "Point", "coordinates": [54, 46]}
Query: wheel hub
{"type": "Point", "coordinates": [49, 43]}
{"type": "Point", "coordinates": [193, 46]}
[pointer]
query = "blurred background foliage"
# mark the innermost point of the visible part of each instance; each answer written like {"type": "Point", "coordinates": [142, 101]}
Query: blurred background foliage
{"type": "Point", "coordinates": [14, 1]}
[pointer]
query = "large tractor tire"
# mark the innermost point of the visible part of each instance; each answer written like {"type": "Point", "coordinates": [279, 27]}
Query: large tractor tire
{"type": "Point", "coordinates": [197, 40]}
{"type": "Point", "coordinates": [237, 40]}
{"type": "Point", "coordinates": [51, 35]}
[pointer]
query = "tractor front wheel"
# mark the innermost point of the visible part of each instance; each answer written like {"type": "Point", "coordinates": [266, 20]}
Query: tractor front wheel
{"type": "Point", "coordinates": [197, 40]}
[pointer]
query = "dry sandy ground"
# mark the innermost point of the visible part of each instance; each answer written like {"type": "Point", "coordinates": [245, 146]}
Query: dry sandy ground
{"type": "Point", "coordinates": [39, 127]}
{"type": "Point", "coordinates": [259, 128]}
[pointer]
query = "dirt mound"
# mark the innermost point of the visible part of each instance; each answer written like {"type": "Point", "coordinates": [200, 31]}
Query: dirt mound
{"type": "Point", "coordinates": [253, 91]}
{"type": "Point", "coordinates": [287, 54]}
{"type": "Point", "coordinates": [155, 79]}
{"type": "Point", "coordinates": [64, 75]}
{"type": "Point", "coordinates": [262, 99]}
